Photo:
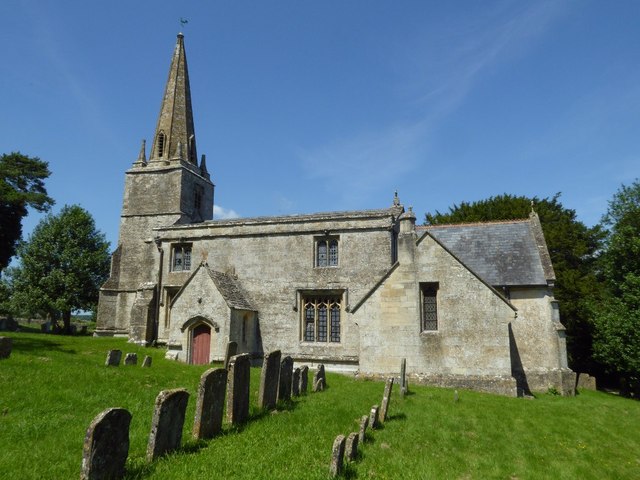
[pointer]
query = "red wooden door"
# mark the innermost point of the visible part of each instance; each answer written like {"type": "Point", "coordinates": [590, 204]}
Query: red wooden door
{"type": "Point", "coordinates": [200, 345]}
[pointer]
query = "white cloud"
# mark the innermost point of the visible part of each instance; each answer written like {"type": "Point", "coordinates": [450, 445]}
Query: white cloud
{"type": "Point", "coordinates": [221, 213]}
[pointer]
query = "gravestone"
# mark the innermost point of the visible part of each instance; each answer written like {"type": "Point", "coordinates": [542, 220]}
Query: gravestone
{"type": "Point", "coordinates": [238, 380]}
{"type": "Point", "coordinates": [6, 345]}
{"type": "Point", "coordinates": [131, 359]}
{"type": "Point", "coordinates": [295, 383]}
{"type": "Point", "coordinates": [286, 374]}
{"type": "Point", "coordinates": [106, 446]}
{"type": "Point", "coordinates": [210, 403]}
{"type": "Point", "coordinates": [404, 385]}
{"type": "Point", "coordinates": [269, 378]}
{"type": "Point", "coordinates": [364, 423]}
{"type": "Point", "coordinates": [584, 380]}
{"type": "Point", "coordinates": [147, 361]}
{"type": "Point", "coordinates": [319, 385]}
{"type": "Point", "coordinates": [352, 446]}
{"type": "Point", "coordinates": [113, 358]}
{"type": "Point", "coordinates": [304, 379]}
{"type": "Point", "coordinates": [232, 349]}
{"type": "Point", "coordinates": [384, 408]}
{"type": "Point", "coordinates": [320, 375]}
{"type": "Point", "coordinates": [337, 456]}
{"type": "Point", "coordinates": [167, 422]}
{"type": "Point", "coordinates": [456, 397]}
{"type": "Point", "coordinates": [373, 417]}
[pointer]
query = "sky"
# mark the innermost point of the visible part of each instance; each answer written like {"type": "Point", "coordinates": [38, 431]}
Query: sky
{"type": "Point", "coordinates": [305, 106]}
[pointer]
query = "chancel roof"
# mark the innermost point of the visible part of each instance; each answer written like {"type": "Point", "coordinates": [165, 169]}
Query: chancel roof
{"type": "Point", "coordinates": [505, 253]}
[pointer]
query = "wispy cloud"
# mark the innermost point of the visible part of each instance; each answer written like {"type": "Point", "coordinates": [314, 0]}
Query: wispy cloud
{"type": "Point", "coordinates": [221, 213]}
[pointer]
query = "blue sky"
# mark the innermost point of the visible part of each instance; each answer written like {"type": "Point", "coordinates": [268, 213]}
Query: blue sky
{"type": "Point", "coordinates": [305, 106]}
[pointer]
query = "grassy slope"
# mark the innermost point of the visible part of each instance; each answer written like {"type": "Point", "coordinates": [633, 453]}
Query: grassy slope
{"type": "Point", "coordinates": [52, 387]}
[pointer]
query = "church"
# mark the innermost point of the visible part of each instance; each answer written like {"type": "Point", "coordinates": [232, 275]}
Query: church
{"type": "Point", "coordinates": [467, 306]}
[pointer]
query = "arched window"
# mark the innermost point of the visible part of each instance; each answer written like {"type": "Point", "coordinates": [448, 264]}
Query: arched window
{"type": "Point", "coordinates": [161, 140]}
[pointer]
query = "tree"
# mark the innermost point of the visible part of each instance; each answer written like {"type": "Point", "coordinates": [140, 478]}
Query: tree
{"type": "Point", "coordinates": [21, 186]}
{"type": "Point", "coordinates": [573, 248]}
{"type": "Point", "coordinates": [617, 318]}
{"type": "Point", "coordinates": [62, 265]}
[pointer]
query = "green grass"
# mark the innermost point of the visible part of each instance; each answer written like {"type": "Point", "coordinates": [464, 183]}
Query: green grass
{"type": "Point", "coordinates": [52, 387]}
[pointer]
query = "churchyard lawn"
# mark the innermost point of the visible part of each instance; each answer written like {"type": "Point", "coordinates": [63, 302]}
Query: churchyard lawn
{"type": "Point", "coordinates": [52, 387]}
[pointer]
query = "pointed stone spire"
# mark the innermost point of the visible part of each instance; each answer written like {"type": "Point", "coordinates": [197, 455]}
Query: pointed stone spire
{"type": "Point", "coordinates": [142, 156]}
{"type": "Point", "coordinates": [175, 123]}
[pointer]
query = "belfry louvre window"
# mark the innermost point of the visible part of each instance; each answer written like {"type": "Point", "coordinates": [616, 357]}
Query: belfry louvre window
{"type": "Point", "coordinates": [161, 139]}
{"type": "Point", "coordinates": [327, 252]}
{"type": "Point", "coordinates": [321, 318]}
{"type": "Point", "coordinates": [429, 292]}
{"type": "Point", "coordinates": [181, 258]}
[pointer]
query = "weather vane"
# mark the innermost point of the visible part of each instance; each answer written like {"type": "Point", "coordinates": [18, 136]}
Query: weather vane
{"type": "Point", "coordinates": [183, 22]}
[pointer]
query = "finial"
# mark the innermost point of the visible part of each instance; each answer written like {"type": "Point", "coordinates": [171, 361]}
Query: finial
{"type": "Point", "coordinates": [203, 163]}
{"type": "Point", "coordinates": [396, 200]}
{"type": "Point", "coordinates": [142, 156]}
{"type": "Point", "coordinates": [532, 210]}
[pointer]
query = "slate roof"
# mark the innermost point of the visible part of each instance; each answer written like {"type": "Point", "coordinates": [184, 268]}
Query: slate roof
{"type": "Point", "coordinates": [230, 290]}
{"type": "Point", "coordinates": [505, 253]}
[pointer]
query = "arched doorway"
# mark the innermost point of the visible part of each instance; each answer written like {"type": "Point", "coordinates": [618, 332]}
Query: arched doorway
{"type": "Point", "coordinates": [201, 344]}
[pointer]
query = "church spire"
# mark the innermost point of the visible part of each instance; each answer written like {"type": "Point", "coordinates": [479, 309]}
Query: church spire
{"type": "Point", "coordinates": [175, 123]}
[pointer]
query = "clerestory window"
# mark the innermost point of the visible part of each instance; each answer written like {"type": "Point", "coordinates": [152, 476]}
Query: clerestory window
{"type": "Point", "coordinates": [321, 318]}
{"type": "Point", "coordinates": [327, 252]}
{"type": "Point", "coordinates": [181, 258]}
{"type": "Point", "coordinates": [429, 293]}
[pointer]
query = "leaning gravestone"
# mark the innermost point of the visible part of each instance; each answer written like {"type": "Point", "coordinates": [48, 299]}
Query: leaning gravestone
{"type": "Point", "coordinates": [167, 423]}
{"type": "Point", "coordinates": [6, 345]}
{"type": "Point", "coordinates": [319, 385]}
{"type": "Point", "coordinates": [106, 446]}
{"type": "Point", "coordinates": [269, 380]}
{"type": "Point", "coordinates": [286, 374]}
{"type": "Point", "coordinates": [352, 446]}
{"type": "Point", "coordinates": [238, 388]}
{"type": "Point", "coordinates": [304, 379]}
{"type": "Point", "coordinates": [232, 349]}
{"type": "Point", "coordinates": [113, 358]}
{"type": "Point", "coordinates": [364, 423]}
{"type": "Point", "coordinates": [373, 417]}
{"type": "Point", "coordinates": [295, 383]}
{"type": "Point", "coordinates": [404, 385]}
{"type": "Point", "coordinates": [210, 403]}
{"type": "Point", "coordinates": [147, 361]}
{"type": "Point", "coordinates": [337, 456]}
{"type": "Point", "coordinates": [384, 408]}
{"type": "Point", "coordinates": [320, 375]}
{"type": "Point", "coordinates": [131, 359]}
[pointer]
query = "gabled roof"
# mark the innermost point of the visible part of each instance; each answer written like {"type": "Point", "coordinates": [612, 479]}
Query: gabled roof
{"type": "Point", "coordinates": [230, 290]}
{"type": "Point", "coordinates": [506, 253]}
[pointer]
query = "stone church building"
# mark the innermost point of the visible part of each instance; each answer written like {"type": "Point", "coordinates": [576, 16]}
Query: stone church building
{"type": "Point", "coordinates": [469, 306]}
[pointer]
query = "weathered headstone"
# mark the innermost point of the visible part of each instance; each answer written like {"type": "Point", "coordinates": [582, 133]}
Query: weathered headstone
{"type": "Point", "coordinates": [404, 385]}
{"type": "Point", "coordinates": [384, 407]}
{"type": "Point", "coordinates": [113, 358]}
{"type": "Point", "coordinates": [373, 417]}
{"type": "Point", "coordinates": [147, 361]}
{"type": "Point", "coordinates": [584, 380]}
{"type": "Point", "coordinates": [318, 386]}
{"type": "Point", "coordinates": [6, 345]}
{"type": "Point", "coordinates": [131, 359]}
{"type": "Point", "coordinates": [286, 374]}
{"type": "Point", "coordinates": [320, 374]}
{"type": "Point", "coordinates": [295, 383]}
{"type": "Point", "coordinates": [232, 350]}
{"type": "Point", "coordinates": [167, 422]}
{"type": "Point", "coordinates": [337, 456]}
{"type": "Point", "coordinates": [106, 446]}
{"type": "Point", "coordinates": [456, 397]}
{"type": "Point", "coordinates": [304, 379]}
{"type": "Point", "coordinates": [352, 446]}
{"type": "Point", "coordinates": [238, 388]}
{"type": "Point", "coordinates": [210, 403]}
{"type": "Point", "coordinates": [269, 378]}
{"type": "Point", "coordinates": [364, 423]}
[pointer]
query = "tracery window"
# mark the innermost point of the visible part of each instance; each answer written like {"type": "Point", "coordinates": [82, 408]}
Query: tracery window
{"type": "Point", "coordinates": [181, 258]}
{"type": "Point", "coordinates": [429, 292]}
{"type": "Point", "coordinates": [327, 252]}
{"type": "Point", "coordinates": [321, 318]}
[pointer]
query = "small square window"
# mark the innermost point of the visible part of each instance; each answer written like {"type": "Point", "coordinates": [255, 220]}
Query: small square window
{"type": "Point", "coordinates": [181, 258]}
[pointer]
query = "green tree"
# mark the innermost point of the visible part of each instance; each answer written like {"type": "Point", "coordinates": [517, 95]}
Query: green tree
{"type": "Point", "coordinates": [617, 318]}
{"type": "Point", "coordinates": [62, 265]}
{"type": "Point", "coordinates": [21, 186]}
{"type": "Point", "coordinates": [573, 248]}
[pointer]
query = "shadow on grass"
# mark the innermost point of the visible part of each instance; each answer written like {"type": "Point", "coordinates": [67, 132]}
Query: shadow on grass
{"type": "Point", "coordinates": [32, 345]}
{"type": "Point", "coordinates": [397, 416]}
{"type": "Point", "coordinates": [349, 471]}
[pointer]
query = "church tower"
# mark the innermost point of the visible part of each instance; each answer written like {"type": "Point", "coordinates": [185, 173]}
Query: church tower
{"type": "Point", "coordinates": [170, 187]}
